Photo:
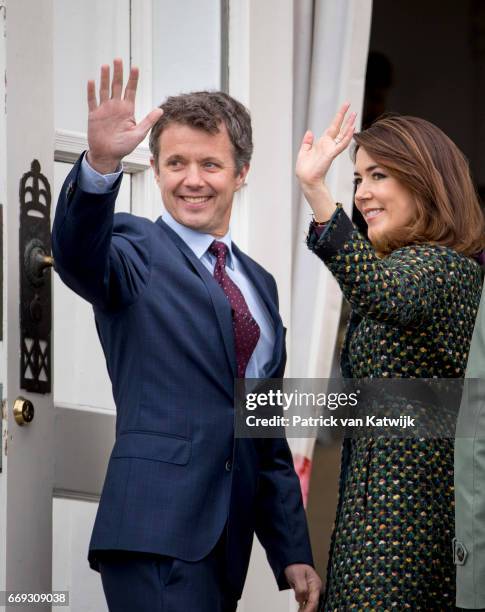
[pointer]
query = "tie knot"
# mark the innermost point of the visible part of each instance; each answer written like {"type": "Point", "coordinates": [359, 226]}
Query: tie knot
{"type": "Point", "coordinates": [219, 250]}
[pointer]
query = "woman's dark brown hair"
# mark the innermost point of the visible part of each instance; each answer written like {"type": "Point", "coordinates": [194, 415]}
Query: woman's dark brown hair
{"type": "Point", "coordinates": [425, 161]}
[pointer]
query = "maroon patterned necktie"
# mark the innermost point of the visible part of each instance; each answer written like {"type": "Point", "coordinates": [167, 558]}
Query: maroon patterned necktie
{"type": "Point", "coordinates": [246, 330]}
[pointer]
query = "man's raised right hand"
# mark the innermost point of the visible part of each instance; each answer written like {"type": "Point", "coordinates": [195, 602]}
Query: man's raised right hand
{"type": "Point", "coordinates": [112, 129]}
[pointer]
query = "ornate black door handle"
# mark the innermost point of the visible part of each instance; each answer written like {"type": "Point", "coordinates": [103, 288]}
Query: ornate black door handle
{"type": "Point", "coordinates": [35, 282]}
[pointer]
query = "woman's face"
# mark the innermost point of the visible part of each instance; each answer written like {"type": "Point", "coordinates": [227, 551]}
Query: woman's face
{"type": "Point", "coordinates": [386, 205]}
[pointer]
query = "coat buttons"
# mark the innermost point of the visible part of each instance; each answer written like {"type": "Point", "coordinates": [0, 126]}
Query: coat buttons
{"type": "Point", "coordinates": [460, 552]}
{"type": "Point", "coordinates": [228, 465]}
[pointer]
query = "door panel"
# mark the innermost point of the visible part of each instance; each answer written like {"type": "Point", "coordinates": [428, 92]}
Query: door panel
{"type": "Point", "coordinates": [86, 35]}
{"type": "Point", "coordinates": [80, 375]}
{"type": "Point", "coordinates": [72, 524]}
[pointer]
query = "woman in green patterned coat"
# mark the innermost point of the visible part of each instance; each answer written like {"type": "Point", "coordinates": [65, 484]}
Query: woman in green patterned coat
{"type": "Point", "coordinates": [414, 291]}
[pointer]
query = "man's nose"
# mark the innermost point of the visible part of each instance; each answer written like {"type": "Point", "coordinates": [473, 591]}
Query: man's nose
{"type": "Point", "coordinates": [193, 177]}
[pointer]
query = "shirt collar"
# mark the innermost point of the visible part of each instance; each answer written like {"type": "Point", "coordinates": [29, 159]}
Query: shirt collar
{"type": "Point", "coordinates": [197, 241]}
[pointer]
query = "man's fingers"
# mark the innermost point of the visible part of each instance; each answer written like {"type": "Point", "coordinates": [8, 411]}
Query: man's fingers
{"type": "Point", "coordinates": [306, 584]}
{"type": "Point", "coordinates": [146, 125]}
{"type": "Point", "coordinates": [92, 103]}
{"type": "Point", "coordinates": [104, 83]}
{"type": "Point", "coordinates": [313, 597]}
{"type": "Point", "coordinates": [130, 91]}
{"type": "Point", "coordinates": [301, 589]}
{"type": "Point", "coordinates": [334, 128]}
{"type": "Point", "coordinates": [117, 84]}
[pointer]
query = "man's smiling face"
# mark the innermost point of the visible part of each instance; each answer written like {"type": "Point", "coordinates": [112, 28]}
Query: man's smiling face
{"type": "Point", "coordinates": [197, 177]}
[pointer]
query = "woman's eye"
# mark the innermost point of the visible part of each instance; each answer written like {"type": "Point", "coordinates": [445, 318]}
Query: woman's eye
{"type": "Point", "coordinates": [357, 181]}
{"type": "Point", "coordinates": [378, 176]}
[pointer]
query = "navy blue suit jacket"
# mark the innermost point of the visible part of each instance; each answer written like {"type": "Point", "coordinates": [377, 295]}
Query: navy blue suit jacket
{"type": "Point", "coordinates": [177, 476]}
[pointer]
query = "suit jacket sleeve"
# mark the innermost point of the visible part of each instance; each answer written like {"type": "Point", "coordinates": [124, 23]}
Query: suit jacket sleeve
{"type": "Point", "coordinates": [103, 257]}
{"type": "Point", "coordinates": [281, 524]}
{"type": "Point", "coordinates": [469, 543]}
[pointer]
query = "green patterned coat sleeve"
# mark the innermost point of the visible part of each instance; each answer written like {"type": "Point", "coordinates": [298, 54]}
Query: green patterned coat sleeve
{"type": "Point", "coordinates": [402, 288]}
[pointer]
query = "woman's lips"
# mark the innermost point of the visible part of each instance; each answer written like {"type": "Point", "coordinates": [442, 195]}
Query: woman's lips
{"type": "Point", "coordinates": [372, 213]}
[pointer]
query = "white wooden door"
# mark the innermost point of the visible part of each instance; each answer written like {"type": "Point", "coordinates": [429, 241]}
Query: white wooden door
{"type": "Point", "coordinates": [52, 469]}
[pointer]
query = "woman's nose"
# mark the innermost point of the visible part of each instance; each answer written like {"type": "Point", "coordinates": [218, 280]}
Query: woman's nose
{"type": "Point", "coordinates": [362, 192]}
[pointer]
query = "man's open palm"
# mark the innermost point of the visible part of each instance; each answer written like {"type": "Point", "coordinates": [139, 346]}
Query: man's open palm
{"type": "Point", "coordinates": [112, 128]}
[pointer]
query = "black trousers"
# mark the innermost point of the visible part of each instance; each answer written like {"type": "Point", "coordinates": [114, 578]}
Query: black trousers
{"type": "Point", "coordinates": [145, 582]}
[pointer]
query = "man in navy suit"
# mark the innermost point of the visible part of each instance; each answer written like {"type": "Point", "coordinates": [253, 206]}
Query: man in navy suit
{"type": "Point", "coordinates": [181, 312]}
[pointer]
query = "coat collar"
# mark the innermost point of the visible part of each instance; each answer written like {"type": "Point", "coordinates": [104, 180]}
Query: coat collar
{"type": "Point", "coordinates": [198, 241]}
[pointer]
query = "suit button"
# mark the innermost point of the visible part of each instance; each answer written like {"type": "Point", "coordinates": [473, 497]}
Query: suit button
{"type": "Point", "coordinates": [460, 553]}
{"type": "Point", "coordinates": [228, 465]}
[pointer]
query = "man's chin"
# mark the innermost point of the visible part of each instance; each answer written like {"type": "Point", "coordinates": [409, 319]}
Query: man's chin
{"type": "Point", "coordinates": [196, 223]}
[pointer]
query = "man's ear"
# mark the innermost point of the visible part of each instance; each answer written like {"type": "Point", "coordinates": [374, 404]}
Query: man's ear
{"type": "Point", "coordinates": [155, 170]}
{"type": "Point", "coordinates": [241, 176]}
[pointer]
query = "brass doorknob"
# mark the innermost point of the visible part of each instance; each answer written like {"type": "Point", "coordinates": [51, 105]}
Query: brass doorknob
{"type": "Point", "coordinates": [23, 411]}
{"type": "Point", "coordinates": [36, 260]}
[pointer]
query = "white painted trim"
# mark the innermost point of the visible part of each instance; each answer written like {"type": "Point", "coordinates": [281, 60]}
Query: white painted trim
{"type": "Point", "coordinates": [72, 429]}
{"type": "Point", "coordinates": [142, 193]}
{"type": "Point", "coordinates": [69, 146]}
{"type": "Point", "coordinates": [142, 53]}
{"type": "Point", "coordinates": [239, 51]}
{"type": "Point", "coordinates": [75, 495]}
{"type": "Point", "coordinates": [238, 58]}
{"type": "Point", "coordinates": [261, 77]}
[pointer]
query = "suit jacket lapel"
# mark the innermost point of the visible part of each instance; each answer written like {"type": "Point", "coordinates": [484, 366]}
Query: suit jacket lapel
{"type": "Point", "coordinates": [221, 306]}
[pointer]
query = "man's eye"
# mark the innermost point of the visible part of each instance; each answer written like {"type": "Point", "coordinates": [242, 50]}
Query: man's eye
{"type": "Point", "coordinates": [174, 163]}
{"type": "Point", "coordinates": [210, 165]}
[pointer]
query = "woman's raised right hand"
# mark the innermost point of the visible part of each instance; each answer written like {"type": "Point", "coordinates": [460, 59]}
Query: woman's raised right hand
{"type": "Point", "coordinates": [315, 157]}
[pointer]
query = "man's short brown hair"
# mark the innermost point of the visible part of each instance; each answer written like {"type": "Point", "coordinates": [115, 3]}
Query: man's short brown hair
{"type": "Point", "coordinates": [207, 110]}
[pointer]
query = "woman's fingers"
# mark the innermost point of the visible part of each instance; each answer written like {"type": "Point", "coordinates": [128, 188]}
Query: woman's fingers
{"type": "Point", "coordinates": [345, 136]}
{"type": "Point", "coordinates": [307, 142]}
{"type": "Point", "coordinates": [333, 129]}
{"type": "Point", "coordinates": [334, 143]}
